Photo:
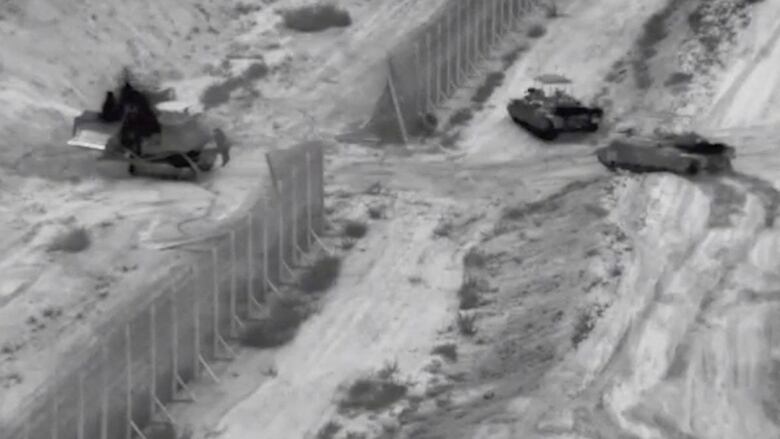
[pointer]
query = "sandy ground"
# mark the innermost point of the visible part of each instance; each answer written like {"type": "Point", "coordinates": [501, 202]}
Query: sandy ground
{"type": "Point", "coordinates": [617, 306]}
{"type": "Point", "coordinates": [52, 301]}
{"type": "Point", "coordinates": [685, 346]}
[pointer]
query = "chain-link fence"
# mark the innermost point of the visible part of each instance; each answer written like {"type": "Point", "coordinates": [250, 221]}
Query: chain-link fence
{"type": "Point", "coordinates": [427, 68]}
{"type": "Point", "coordinates": [184, 327]}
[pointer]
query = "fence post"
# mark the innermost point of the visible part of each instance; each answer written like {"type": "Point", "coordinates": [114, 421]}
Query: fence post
{"type": "Point", "coordinates": [419, 97]}
{"type": "Point", "coordinates": [266, 216]}
{"type": "Point", "coordinates": [177, 382]}
{"type": "Point", "coordinates": [429, 70]}
{"type": "Point", "coordinates": [234, 319]}
{"type": "Point", "coordinates": [458, 45]}
{"type": "Point", "coordinates": [437, 93]}
{"type": "Point", "coordinates": [196, 335]}
{"type": "Point", "coordinates": [446, 50]}
{"type": "Point", "coordinates": [174, 344]}
{"type": "Point", "coordinates": [396, 105]}
{"type": "Point", "coordinates": [250, 261]}
{"type": "Point", "coordinates": [476, 44]}
{"type": "Point", "coordinates": [494, 22]}
{"type": "Point", "coordinates": [485, 30]}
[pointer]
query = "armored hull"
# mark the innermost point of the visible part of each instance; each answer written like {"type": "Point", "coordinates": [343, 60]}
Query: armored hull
{"type": "Point", "coordinates": [666, 157]}
{"type": "Point", "coordinates": [546, 116]}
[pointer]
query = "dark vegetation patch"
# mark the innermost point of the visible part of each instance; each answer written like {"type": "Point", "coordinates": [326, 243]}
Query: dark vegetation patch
{"type": "Point", "coordinates": [285, 316]}
{"type": "Point", "coordinates": [321, 275]}
{"type": "Point", "coordinates": [355, 229]}
{"type": "Point", "coordinates": [316, 18]}
{"type": "Point", "coordinates": [586, 322]}
{"type": "Point", "coordinates": [513, 55]}
{"type": "Point", "coordinates": [448, 351]}
{"type": "Point", "coordinates": [218, 94]}
{"type": "Point", "coordinates": [468, 294]}
{"type": "Point", "coordinates": [375, 392]}
{"type": "Point", "coordinates": [72, 241]}
{"type": "Point", "coordinates": [678, 78]}
{"type": "Point", "coordinates": [329, 430]}
{"type": "Point", "coordinates": [461, 117]}
{"type": "Point", "coordinates": [486, 89]}
{"type": "Point", "coordinates": [467, 324]}
{"type": "Point", "coordinates": [537, 30]}
{"type": "Point", "coordinates": [653, 32]}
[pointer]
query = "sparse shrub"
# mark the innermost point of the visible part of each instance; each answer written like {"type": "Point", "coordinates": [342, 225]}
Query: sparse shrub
{"type": "Point", "coordinates": [355, 229]}
{"type": "Point", "coordinates": [552, 9]}
{"type": "Point", "coordinates": [475, 258]}
{"type": "Point", "coordinates": [467, 324]}
{"type": "Point", "coordinates": [388, 371]}
{"type": "Point", "coordinates": [443, 228]}
{"type": "Point", "coordinates": [52, 312]}
{"type": "Point", "coordinates": [447, 351]}
{"type": "Point", "coordinates": [316, 18]}
{"type": "Point", "coordinates": [284, 318]}
{"type": "Point", "coordinates": [448, 140]}
{"type": "Point", "coordinates": [373, 393]}
{"type": "Point", "coordinates": [468, 294]}
{"type": "Point", "coordinates": [484, 91]}
{"type": "Point", "coordinates": [329, 430]}
{"type": "Point", "coordinates": [218, 94]}
{"type": "Point", "coordinates": [510, 57]}
{"type": "Point", "coordinates": [537, 30]}
{"type": "Point", "coordinates": [255, 71]}
{"type": "Point", "coordinates": [73, 241]}
{"type": "Point", "coordinates": [247, 8]}
{"type": "Point", "coordinates": [678, 78]}
{"type": "Point", "coordinates": [321, 275]}
{"type": "Point", "coordinates": [596, 210]}
{"type": "Point", "coordinates": [377, 211]}
{"type": "Point", "coordinates": [461, 116]}
{"type": "Point", "coordinates": [426, 125]}
{"type": "Point", "coordinates": [585, 323]}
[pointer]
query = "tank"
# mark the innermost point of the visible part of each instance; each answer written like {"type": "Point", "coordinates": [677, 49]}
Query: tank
{"type": "Point", "coordinates": [685, 154]}
{"type": "Point", "coordinates": [546, 115]}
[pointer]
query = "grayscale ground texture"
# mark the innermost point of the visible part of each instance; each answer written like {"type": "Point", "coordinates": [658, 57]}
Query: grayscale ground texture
{"type": "Point", "coordinates": [505, 287]}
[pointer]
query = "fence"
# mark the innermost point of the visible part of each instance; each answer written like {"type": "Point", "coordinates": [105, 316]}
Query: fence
{"type": "Point", "coordinates": [147, 360]}
{"type": "Point", "coordinates": [426, 69]}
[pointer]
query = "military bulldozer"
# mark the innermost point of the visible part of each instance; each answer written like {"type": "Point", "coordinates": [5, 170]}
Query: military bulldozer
{"type": "Point", "coordinates": [685, 154]}
{"type": "Point", "coordinates": [546, 114]}
{"type": "Point", "coordinates": [151, 130]}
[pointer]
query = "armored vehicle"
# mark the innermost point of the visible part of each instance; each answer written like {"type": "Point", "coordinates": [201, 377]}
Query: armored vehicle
{"type": "Point", "coordinates": [687, 154]}
{"type": "Point", "coordinates": [149, 129]}
{"type": "Point", "coordinates": [546, 114]}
